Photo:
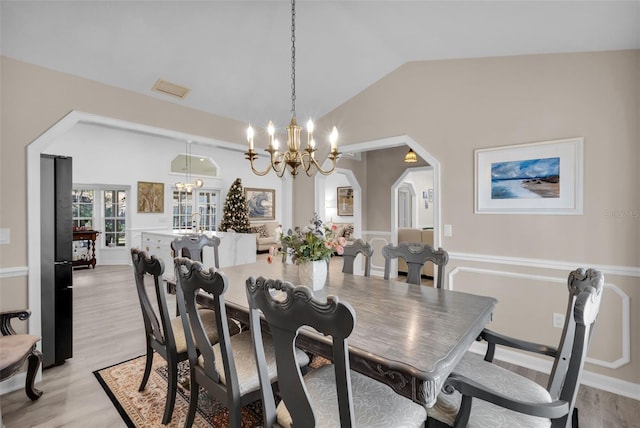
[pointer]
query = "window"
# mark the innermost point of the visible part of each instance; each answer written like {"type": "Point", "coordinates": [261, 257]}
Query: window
{"type": "Point", "coordinates": [182, 206]}
{"type": "Point", "coordinates": [82, 207]}
{"type": "Point", "coordinates": [198, 210]}
{"type": "Point", "coordinates": [115, 210]}
{"type": "Point", "coordinates": [208, 209]}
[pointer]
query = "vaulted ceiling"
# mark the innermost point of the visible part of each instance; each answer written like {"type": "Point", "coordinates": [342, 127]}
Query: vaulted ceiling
{"type": "Point", "coordinates": [235, 55]}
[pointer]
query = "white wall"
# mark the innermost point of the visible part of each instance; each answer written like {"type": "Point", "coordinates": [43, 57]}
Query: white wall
{"type": "Point", "coordinates": [422, 181]}
{"type": "Point", "coordinates": [333, 181]}
{"type": "Point", "coordinates": [103, 155]}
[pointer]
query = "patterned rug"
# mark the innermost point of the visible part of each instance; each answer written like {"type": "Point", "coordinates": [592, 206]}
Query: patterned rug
{"type": "Point", "coordinates": [145, 409]}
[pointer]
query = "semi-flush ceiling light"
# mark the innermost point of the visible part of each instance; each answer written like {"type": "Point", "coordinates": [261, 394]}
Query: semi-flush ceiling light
{"type": "Point", "coordinates": [188, 186]}
{"type": "Point", "coordinates": [293, 157]}
{"type": "Point", "coordinates": [411, 157]}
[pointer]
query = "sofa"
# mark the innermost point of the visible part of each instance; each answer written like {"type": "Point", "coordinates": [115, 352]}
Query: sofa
{"type": "Point", "coordinates": [425, 236]}
{"type": "Point", "coordinates": [267, 235]}
{"type": "Point", "coordinates": [343, 229]}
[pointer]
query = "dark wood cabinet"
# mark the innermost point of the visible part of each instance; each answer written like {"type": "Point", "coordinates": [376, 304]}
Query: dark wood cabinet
{"type": "Point", "coordinates": [89, 236]}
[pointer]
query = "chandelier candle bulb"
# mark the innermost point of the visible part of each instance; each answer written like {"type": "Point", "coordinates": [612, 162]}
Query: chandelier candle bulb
{"type": "Point", "coordinates": [333, 138]}
{"type": "Point", "coordinates": [250, 137]}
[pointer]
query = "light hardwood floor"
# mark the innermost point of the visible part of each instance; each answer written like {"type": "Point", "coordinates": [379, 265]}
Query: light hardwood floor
{"type": "Point", "coordinates": [108, 329]}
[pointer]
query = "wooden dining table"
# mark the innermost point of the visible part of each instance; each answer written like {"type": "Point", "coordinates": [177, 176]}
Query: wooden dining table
{"type": "Point", "coordinates": [408, 336]}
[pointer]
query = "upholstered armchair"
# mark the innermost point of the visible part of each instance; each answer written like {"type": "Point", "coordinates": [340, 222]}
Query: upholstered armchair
{"type": "Point", "coordinates": [15, 349]}
{"type": "Point", "coordinates": [481, 394]}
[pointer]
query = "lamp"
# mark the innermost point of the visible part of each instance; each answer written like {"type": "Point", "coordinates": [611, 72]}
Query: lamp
{"type": "Point", "coordinates": [410, 157]}
{"type": "Point", "coordinates": [187, 185]}
{"type": "Point", "coordinates": [293, 157]}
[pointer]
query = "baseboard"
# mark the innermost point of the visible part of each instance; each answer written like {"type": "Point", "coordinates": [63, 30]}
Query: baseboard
{"type": "Point", "coordinates": [14, 383]}
{"type": "Point", "coordinates": [595, 380]}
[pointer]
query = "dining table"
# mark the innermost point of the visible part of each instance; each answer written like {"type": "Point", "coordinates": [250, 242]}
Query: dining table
{"type": "Point", "coordinates": [408, 336]}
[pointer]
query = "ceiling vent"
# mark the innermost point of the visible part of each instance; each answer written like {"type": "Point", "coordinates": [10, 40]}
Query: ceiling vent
{"type": "Point", "coordinates": [172, 89]}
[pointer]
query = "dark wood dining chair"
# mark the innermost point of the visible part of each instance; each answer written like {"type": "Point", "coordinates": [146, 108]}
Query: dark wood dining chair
{"type": "Point", "coordinates": [351, 251]}
{"type": "Point", "coordinates": [479, 393]}
{"type": "Point", "coordinates": [18, 349]}
{"type": "Point", "coordinates": [329, 396]}
{"type": "Point", "coordinates": [227, 369]}
{"type": "Point", "coordinates": [192, 247]}
{"type": "Point", "coordinates": [164, 334]}
{"type": "Point", "coordinates": [416, 254]}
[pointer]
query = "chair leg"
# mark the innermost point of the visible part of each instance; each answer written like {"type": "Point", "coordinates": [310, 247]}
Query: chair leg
{"type": "Point", "coordinates": [574, 418]}
{"type": "Point", "coordinates": [172, 388]}
{"type": "Point", "coordinates": [147, 368]}
{"type": "Point", "coordinates": [35, 359]}
{"type": "Point", "coordinates": [193, 402]}
{"type": "Point", "coordinates": [234, 415]}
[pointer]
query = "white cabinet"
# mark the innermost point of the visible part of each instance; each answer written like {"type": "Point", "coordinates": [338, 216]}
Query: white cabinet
{"type": "Point", "coordinates": [159, 245]}
{"type": "Point", "coordinates": [235, 249]}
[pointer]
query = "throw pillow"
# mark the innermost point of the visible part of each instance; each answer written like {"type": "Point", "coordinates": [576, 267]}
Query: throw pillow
{"type": "Point", "coordinates": [261, 230]}
{"type": "Point", "coordinates": [348, 231]}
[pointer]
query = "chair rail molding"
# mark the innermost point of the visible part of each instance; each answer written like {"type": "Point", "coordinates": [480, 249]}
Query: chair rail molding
{"type": "Point", "coordinates": [12, 272]}
{"type": "Point", "coordinates": [546, 264]}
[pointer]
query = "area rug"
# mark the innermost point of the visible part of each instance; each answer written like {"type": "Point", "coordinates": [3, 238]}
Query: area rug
{"type": "Point", "coordinates": [145, 409]}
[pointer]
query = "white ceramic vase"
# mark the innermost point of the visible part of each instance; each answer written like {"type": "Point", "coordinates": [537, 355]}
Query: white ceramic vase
{"type": "Point", "coordinates": [313, 274]}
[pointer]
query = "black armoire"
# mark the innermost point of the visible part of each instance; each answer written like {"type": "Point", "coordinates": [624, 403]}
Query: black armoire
{"type": "Point", "coordinates": [56, 264]}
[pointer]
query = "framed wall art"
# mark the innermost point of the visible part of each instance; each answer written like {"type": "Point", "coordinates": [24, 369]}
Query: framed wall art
{"type": "Point", "coordinates": [534, 178]}
{"type": "Point", "coordinates": [150, 197]}
{"type": "Point", "coordinates": [345, 201]}
{"type": "Point", "coordinates": [262, 203]}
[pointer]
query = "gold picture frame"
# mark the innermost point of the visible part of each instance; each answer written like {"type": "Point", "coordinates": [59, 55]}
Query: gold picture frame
{"type": "Point", "coordinates": [345, 201]}
{"type": "Point", "coordinates": [150, 197]}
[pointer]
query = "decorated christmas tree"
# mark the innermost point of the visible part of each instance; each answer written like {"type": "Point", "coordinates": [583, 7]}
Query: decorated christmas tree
{"type": "Point", "coordinates": [235, 214]}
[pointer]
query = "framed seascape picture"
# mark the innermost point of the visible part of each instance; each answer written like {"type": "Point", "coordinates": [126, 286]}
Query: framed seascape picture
{"type": "Point", "coordinates": [262, 203]}
{"type": "Point", "coordinates": [535, 178]}
{"type": "Point", "coordinates": [150, 197]}
{"type": "Point", "coordinates": [345, 201]}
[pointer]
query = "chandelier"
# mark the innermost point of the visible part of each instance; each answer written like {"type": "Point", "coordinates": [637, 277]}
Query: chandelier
{"type": "Point", "coordinates": [293, 157]}
{"type": "Point", "coordinates": [188, 186]}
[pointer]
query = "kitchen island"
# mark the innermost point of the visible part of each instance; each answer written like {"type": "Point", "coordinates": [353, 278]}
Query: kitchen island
{"type": "Point", "coordinates": [235, 248]}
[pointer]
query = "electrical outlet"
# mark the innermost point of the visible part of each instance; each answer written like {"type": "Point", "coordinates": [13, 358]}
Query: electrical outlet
{"type": "Point", "coordinates": [448, 230]}
{"type": "Point", "coordinates": [558, 320]}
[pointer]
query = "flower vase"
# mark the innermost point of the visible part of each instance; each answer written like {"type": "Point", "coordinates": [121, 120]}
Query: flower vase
{"type": "Point", "coordinates": [313, 274]}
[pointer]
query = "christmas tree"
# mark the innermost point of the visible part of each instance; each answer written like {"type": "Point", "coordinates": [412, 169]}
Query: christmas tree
{"type": "Point", "coordinates": [235, 214]}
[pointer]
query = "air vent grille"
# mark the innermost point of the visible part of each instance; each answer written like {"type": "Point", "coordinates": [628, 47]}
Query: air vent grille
{"type": "Point", "coordinates": [172, 89]}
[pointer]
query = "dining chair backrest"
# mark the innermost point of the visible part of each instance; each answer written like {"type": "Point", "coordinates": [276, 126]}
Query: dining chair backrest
{"type": "Point", "coordinates": [351, 251]}
{"type": "Point", "coordinates": [157, 322]}
{"type": "Point", "coordinates": [285, 315]}
{"type": "Point", "coordinates": [159, 331]}
{"type": "Point", "coordinates": [416, 254]}
{"type": "Point", "coordinates": [193, 278]}
{"type": "Point", "coordinates": [585, 293]}
{"type": "Point", "coordinates": [192, 247]}
{"type": "Point", "coordinates": [218, 375]}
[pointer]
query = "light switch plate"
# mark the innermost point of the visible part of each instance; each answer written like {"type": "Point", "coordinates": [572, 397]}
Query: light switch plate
{"type": "Point", "coordinates": [5, 236]}
{"type": "Point", "coordinates": [448, 230]}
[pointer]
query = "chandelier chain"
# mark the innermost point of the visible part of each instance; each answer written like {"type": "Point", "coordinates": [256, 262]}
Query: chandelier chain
{"type": "Point", "coordinates": [293, 58]}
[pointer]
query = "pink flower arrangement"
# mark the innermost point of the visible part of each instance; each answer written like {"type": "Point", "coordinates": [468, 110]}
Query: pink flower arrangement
{"type": "Point", "coordinates": [312, 242]}
{"type": "Point", "coordinates": [336, 243]}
